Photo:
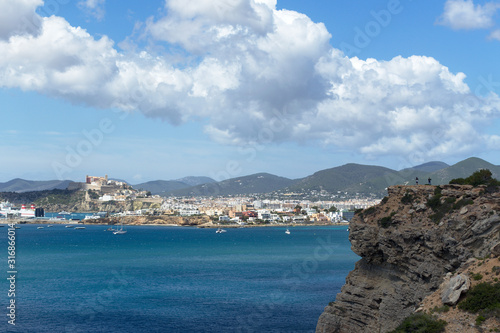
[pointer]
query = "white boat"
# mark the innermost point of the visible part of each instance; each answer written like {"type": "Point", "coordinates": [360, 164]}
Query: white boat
{"type": "Point", "coordinates": [70, 226]}
{"type": "Point", "coordinates": [64, 213]}
{"type": "Point", "coordinates": [40, 228]}
{"type": "Point", "coordinates": [120, 231]}
{"type": "Point", "coordinates": [287, 232]}
{"type": "Point", "coordinates": [220, 231]}
{"type": "Point", "coordinates": [79, 227]}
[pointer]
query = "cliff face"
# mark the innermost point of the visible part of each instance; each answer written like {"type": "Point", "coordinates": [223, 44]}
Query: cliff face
{"type": "Point", "coordinates": [408, 243]}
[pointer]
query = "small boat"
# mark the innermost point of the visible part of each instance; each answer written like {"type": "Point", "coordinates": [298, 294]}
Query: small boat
{"type": "Point", "coordinates": [50, 226]}
{"type": "Point", "coordinates": [40, 228]}
{"type": "Point", "coordinates": [110, 229]}
{"type": "Point", "coordinates": [287, 232]}
{"type": "Point", "coordinates": [79, 228]}
{"type": "Point", "coordinates": [220, 231]}
{"type": "Point", "coordinates": [64, 213]}
{"type": "Point", "coordinates": [70, 226]}
{"type": "Point", "coordinates": [120, 231]}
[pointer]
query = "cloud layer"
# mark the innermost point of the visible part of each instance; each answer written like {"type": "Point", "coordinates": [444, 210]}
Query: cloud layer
{"type": "Point", "coordinates": [464, 14]}
{"type": "Point", "coordinates": [256, 75]}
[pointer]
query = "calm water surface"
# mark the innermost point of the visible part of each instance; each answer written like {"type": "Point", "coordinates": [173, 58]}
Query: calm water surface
{"type": "Point", "coordinates": [162, 279]}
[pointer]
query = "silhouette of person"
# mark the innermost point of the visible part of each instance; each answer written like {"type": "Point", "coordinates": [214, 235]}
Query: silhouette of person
{"type": "Point", "coordinates": [429, 180]}
{"type": "Point", "coordinates": [416, 180]}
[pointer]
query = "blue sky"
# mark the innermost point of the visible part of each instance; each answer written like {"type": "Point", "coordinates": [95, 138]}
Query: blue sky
{"type": "Point", "coordinates": [225, 88]}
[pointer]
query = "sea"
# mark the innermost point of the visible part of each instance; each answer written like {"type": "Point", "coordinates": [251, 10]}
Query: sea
{"type": "Point", "coordinates": [172, 279]}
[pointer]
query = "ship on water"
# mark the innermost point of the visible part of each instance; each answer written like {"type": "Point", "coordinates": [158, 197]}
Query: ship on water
{"type": "Point", "coordinates": [8, 210]}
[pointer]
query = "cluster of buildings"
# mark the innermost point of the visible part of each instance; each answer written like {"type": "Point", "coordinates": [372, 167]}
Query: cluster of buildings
{"type": "Point", "coordinates": [247, 209]}
{"type": "Point", "coordinates": [239, 209]}
{"type": "Point", "coordinates": [104, 189]}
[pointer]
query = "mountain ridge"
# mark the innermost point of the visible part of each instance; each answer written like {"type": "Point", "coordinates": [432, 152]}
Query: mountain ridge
{"type": "Point", "coordinates": [352, 178]}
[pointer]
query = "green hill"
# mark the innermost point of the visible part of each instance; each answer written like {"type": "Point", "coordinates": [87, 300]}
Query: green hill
{"type": "Point", "coordinates": [464, 169]}
{"type": "Point", "coordinates": [351, 177]}
{"type": "Point", "coordinates": [21, 185]}
{"type": "Point", "coordinates": [257, 183]}
{"type": "Point", "coordinates": [430, 166]}
{"type": "Point", "coordinates": [161, 187]}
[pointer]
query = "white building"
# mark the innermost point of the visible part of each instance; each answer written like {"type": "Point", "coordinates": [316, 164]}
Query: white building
{"type": "Point", "coordinates": [189, 211]}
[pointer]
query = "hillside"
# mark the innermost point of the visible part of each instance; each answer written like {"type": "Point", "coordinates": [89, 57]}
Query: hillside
{"type": "Point", "coordinates": [430, 167]}
{"type": "Point", "coordinates": [22, 185]}
{"type": "Point", "coordinates": [410, 245]}
{"type": "Point", "coordinates": [194, 181]}
{"type": "Point", "coordinates": [257, 183]}
{"type": "Point", "coordinates": [349, 177]}
{"type": "Point", "coordinates": [164, 187]}
{"type": "Point", "coordinates": [464, 169]}
{"type": "Point", "coordinates": [161, 187]}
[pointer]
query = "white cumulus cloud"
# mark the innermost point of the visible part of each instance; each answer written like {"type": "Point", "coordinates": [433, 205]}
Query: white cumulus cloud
{"type": "Point", "coordinates": [464, 14]}
{"type": "Point", "coordinates": [18, 17]}
{"type": "Point", "coordinates": [255, 75]}
{"type": "Point", "coordinates": [495, 34]}
{"type": "Point", "coordinates": [93, 7]}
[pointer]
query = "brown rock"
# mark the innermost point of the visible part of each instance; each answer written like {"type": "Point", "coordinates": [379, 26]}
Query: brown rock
{"type": "Point", "coordinates": [403, 262]}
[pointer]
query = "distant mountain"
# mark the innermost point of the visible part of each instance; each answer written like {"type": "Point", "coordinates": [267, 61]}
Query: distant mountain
{"type": "Point", "coordinates": [21, 185]}
{"type": "Point", "coordinates": [257, 183]}
{"type": "Point", "coordinates": [464, 169]}
{"type": "Point", "coordinates": [164, 187]}
{"type": "Point", "coordinates": [350, 177]}
{"type": "Point", "coordinates": [193, 181]}
{"type": "Point", "coordinates": [430, 166]}
{"type": "Point", "coordinates": [161, 187]}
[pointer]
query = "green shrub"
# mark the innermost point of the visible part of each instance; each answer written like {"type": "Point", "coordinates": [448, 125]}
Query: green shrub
{"type": "Point", "coordinates": [442, 309]}
{"type": "Point", "coordinates": [421, 323]}
{"type": "Point", "coordinates": [482, 297]}
{"type": "Point", "coordinates": [463, 202]}
{"type": "Point", "coordinates": [480, 319]}
{"type": "Point", "coordinates": [480, 177]}
{"type": "Point", "coordinates": [407, 199]}
{"type": "Point", "coordinates": [386, 221]}
{"type": "Point", "coordinates": [435, 201]}
{"type": "Point", "coordinates": [369, 211]}
{"type": "Point", "coordinates": [477, 276]}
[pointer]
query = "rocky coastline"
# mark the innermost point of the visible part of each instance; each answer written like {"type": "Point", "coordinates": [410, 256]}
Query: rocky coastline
{"type": "Point", "coordinates": [202, 221]}
{"type": "Point", "coordinates": [411, 244]}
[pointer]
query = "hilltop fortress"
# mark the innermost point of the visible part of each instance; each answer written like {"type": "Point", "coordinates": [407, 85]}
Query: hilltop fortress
{"type": "Point", "coordinates": [102, 184]}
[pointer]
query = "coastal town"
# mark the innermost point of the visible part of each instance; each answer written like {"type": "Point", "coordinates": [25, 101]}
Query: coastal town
{"type": "Point", "coordinates": [113, 200]}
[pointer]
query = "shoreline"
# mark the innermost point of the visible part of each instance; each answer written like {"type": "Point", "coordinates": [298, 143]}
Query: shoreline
{"type": "Point", "coordinates": [201, 226]}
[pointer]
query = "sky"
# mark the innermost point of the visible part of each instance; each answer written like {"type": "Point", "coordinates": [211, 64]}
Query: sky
{"type": "Point", "coordinates": [164, 89]}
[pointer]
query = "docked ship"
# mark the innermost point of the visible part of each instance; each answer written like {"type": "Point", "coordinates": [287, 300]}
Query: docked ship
{"type": "Point", "coordinates": [8, 210]}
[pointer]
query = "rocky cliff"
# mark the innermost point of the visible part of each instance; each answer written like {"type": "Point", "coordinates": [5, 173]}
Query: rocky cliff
{"type": "Point", "coordinates": [408, 244]}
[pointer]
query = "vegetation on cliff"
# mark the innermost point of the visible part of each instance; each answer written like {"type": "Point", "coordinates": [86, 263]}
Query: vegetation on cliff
{"type": "Point", "coordinates": [483, 299]}
{"type": "Point", "coordinates": [480, 177]}
{"type": "Point", "coordinates": [421, 323]}
{"type": "Point", "coordinates": [408, 244]}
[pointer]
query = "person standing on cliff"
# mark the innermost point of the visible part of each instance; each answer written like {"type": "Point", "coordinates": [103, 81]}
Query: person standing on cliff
{"type": "Point", "coordinates": [416, 180]}
{"type": "Point", "coordinates": [429, 180]}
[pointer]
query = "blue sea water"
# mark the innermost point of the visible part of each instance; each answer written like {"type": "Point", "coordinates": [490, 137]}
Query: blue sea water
{"type": "Point", "coordinates": [173, 279]}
